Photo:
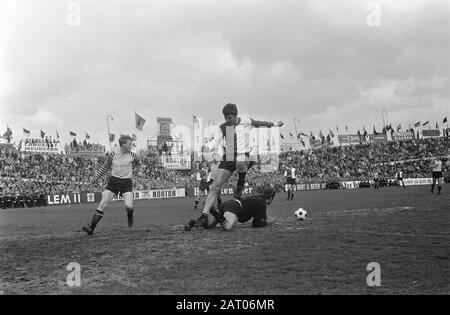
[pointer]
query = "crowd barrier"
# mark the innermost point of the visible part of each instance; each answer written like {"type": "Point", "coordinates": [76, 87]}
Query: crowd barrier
{"type": "Point", "coordinates": [95, 197]}
{"type": "Point", "coordinates": [355, 184]}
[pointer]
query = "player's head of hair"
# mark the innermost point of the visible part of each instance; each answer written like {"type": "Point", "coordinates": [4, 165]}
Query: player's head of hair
{"type": "Point", "coordinates": [269, 194]}
{"type": "Point", "coordinates": [230, 109]}
{"type": "Point", "coordinates": [123, 139]}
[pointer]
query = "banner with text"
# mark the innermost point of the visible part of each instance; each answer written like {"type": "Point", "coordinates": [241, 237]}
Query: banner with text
{"type": "Point", "coordinates": [406, 135]}
{"type": "Point", "coordinates": [431, 133]}
{"type": "Point", "coordinates": [350, 139]}
{"type": "Point", "coordinates": [182, 162]}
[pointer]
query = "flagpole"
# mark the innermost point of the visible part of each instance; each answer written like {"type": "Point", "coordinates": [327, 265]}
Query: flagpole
{"type": "Point", "coordinates": [382, 116]}
{"type": "Point", "coordinates": [296, 119]}
{"type": "Point", "coordinates": [109, 133]}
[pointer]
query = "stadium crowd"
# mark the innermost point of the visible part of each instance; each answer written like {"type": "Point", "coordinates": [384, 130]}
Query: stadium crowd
{"type": "Point", "coordinates": [26, 177]}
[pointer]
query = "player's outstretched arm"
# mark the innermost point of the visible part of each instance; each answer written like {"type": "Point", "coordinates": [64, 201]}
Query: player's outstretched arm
{"type": "Point", "coordinates": [214, 143]}
{"type": "Point", "coordinates": [261, 123]}
{"type": "Point", "coordinates": [104, 168]}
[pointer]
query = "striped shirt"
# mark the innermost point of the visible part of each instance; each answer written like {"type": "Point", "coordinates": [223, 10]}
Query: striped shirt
{"type": "Point", "coordinates": [237, 136]}
{"type": "Point", "coordinates": [121, 164]}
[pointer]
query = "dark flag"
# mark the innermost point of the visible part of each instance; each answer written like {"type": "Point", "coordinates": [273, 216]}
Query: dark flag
{"type": "Point", "coordinates": [437, 126]}
{"type": "Point", "coordinates": [42, 134]}
{"type": "Point", "coordinates": [331, 134]}
{"type": "Point", "coordinates": [425, 123]}
{"type": "Point", "coordinates": [88, 136]}
{"type": "Point", "coordinates": [8, 134]}
{"type": "Point", "coordinates": [417, 124]}
{"type": "Point", "coordinates": [26, 132]}
{"type": "Point", "coordinates": [72, 134]}
{"type": "Point", "coordinates": [445, 120]}
{"type": "Point", "coordinates": [399, 127]}
{"type": "Point", "coordinates": [111, 137]}
{"type": "Point", "coordinates": [282, 137]}
{"type": "Point", "coordinates": [139, 122]}
{"type": "Point", "coordinates": [57, 134]}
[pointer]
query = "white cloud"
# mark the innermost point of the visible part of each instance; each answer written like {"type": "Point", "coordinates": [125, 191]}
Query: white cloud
{"type": "Point", "coordinates": [276, 60]}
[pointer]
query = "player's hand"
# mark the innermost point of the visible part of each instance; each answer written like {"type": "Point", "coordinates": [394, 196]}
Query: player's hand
{"type": "Point", "coordinates": [280, 123]}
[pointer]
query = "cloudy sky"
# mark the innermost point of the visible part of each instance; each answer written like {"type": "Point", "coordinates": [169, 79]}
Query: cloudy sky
{"type": "Point", "coordinates": [66, 65]}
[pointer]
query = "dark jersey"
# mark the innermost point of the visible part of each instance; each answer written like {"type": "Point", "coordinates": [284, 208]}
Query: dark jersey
{"type": "Point", "coordinates": [247, 208]}
{"type": "Point", "coordinates": [203, 175]}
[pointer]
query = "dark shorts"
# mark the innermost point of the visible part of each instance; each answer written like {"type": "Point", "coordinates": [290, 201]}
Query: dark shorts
{"type": "Point", "coordinates": [399, 178]}
{"type": "Point", "coordinates": [437, 175]}
{"type": "Point", "coordinates": [205, 185]}
{"type": "Point", "coordinates": [231, 165]}
{"type": "Point", "coordinates": [376, 179]}
{"type": "Point", "coordinates": [116, 185]}
{"type": "Point", "coordinates": [290, 181]}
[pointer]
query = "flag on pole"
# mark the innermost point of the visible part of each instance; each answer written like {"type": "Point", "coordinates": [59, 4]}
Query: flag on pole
{"type": "Point", "coordinates": [139, 122]}
{"type": "Point", "coordinates": [290, 133]}
{"type": "Point", "coordinates": [445, 120]}
{"type": "Point", "coordinates": [42, 134]}
{"type": "Point", "coordinates": [321, 134]}
{"type": "Point", "coordinates": [111, 137]}
{"type": "Point", "coordinates": [304, 134]}
{"type": "Point", "coordinates": [57, 134]}
{"type": "Point", "coordinates": [26, 132]}
{"type": "Point", "coordinates": [88, 136]}
{"type": "Point", "coordinates": [437, 126]}
{"type": "Point", "coordinates": [196, 122]}
{"type": "Point", "coordinates": [331, 134]}
{"type": "Point", "coordinates": [399, 127]}
{"type": "Point", "coordinates": [417, 124]}
{"type": "Point", "coordinates": [72, 134]}
{"type": "Point", "coordinates": [425, 123]}
{"type": "Point", "coordinates": [282, 137]}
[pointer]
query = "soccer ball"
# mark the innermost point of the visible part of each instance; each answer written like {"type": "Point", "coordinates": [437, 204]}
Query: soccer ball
{"type": "Point", "coordinates": [300, 214]}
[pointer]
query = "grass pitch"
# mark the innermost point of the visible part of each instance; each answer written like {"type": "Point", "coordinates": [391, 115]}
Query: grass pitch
{"type": "Point", "coordinates": [406, 231]}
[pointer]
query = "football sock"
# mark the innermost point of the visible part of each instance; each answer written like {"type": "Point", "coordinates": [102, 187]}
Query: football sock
{"type": "Point", "coordinates": [219, 217]}
{"type": "Point", "coordinates": [292, 195]}
{"type": "Point", "coordinates": [219, 201]}
{"type": "Point", "coordinates": [130, 216]}
{"type": "Point", "coordinates": [241, 180]}
{"type": "Point", "coordinates": [98, 215]}
{"type": "Point", "coordinates": [439, 189]}
{"type": "Point", "coordinates": [196, 203]}
{"type": "Point", "coordinates": [289, 194]}
{"type": "Point", "coordinates": [432, 188]}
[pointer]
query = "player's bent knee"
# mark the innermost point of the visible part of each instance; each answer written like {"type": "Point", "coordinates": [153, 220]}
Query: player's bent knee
{"type": "Point", "coordinates": [230, 221]}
